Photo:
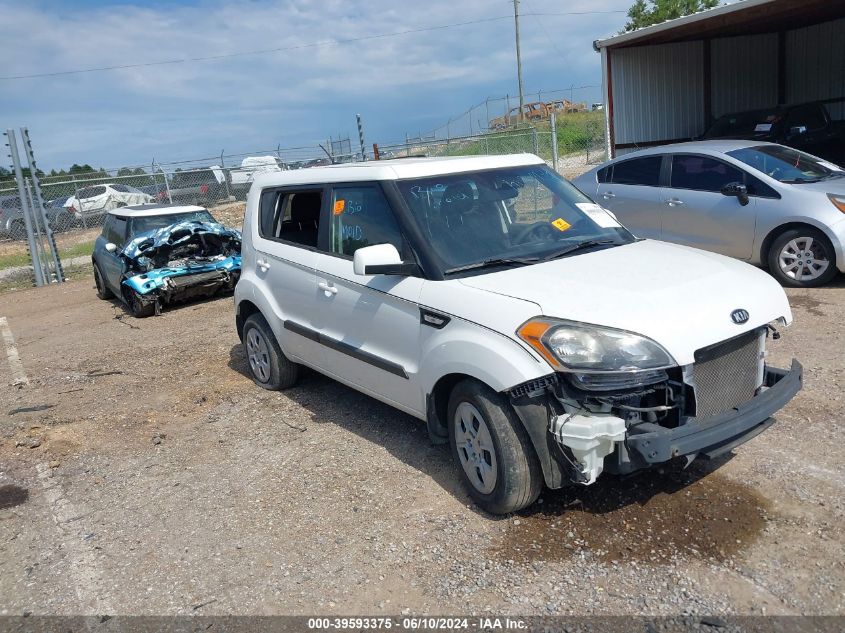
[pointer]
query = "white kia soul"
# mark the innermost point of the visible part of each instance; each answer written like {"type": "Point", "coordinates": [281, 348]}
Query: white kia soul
{"type": "Point", "coordinates": [529, 329]}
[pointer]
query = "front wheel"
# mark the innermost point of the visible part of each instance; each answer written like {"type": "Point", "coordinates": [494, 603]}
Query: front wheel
{"type": "Point", "coordinates": [139, 308]}
{"type": "Point", "coordinates": [492, 449]}
{"type": "Point", "coordinates": [802, 258]}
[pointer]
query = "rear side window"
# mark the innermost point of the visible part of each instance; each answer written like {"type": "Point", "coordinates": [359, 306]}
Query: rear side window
{"type": "Point", "coordinates": [702, 173]}
{"type": "Point", "coordinates": [638, 171]}
{"type": "Point", "coordinates": [120, 188]}
{"type": "Point", "coordinates": [90, 192]}
{"type": "Point", "coordinates": [810, 117]}
{"type": "Point", "coordinates": [291, 216]}
{"type": "Point", "coordinates": [603, 175]}
{"type": "Point", "coordinates": [361, 216]}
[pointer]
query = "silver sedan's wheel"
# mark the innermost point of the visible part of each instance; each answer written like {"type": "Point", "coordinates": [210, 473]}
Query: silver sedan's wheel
{"type": "Point", "coordinates": [258, 354]}
{"type": "Point", "coordinates": [803, 259]}
{"type": "Point", "coordinates": [475, 448]}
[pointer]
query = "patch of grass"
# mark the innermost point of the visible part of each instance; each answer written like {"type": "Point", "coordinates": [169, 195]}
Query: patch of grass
{"type": "Point", "coordinates": [576, 132]}
{"type": "Point", "coordinates": [73, 273]}
{"type": "Point", "coordinates": [21, 258]}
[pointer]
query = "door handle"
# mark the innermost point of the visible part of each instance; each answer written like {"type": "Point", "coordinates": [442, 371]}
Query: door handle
{"type": "Point", "coordinates": [607, 195]}
{"type": "Point", "coordinates": [263, 265]}
{"type": "Point", "coordinates": [325, 287]}
{"type": "Point", "coordinates": [674, 202]}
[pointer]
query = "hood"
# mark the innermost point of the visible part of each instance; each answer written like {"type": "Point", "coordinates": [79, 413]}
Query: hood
{"type": "Point", "coordinates": [680, 297]}
{"type": "Point", "coordinates": [191, 239]}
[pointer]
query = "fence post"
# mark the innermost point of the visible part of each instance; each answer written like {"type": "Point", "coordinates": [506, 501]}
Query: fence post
{"type": "Point", "coordinates": [27, 218]}
{"type": "Point", "coordinates": [223, 171]}
{"type": "Point", "coordinates": [38, 210]}
{"type": "Point", "coordinates": [487, 112]}
{"type": "Point", "coordinates": [553, 125]}
{"type": "Point", "coordinates": [79, 200]}
{"type": "Point", "coordinates": [361, 136]}
{"type": "Point", "coordinates": [39, 239]}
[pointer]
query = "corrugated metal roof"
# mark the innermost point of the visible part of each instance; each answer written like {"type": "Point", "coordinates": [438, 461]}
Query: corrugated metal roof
{"type": "Point", "coordinates": [668, 25]}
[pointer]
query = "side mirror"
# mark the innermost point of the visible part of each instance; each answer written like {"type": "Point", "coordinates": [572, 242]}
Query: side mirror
{"type": "Point", "coordinates": [798, 129]}
{"type": "Point", "coordinates": [737, 190]}
{"type": "Point", "coordinates": [111, 247]}
{"type": "Point", "coordinates": [381, 259]}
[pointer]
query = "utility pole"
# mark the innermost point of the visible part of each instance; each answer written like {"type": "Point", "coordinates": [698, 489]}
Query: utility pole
{"type": "Point", "coordinates": [518, 59]}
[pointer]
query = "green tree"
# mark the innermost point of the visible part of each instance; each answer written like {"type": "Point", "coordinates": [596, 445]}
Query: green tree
{"type": "Point", "coordinates": [647, 12]}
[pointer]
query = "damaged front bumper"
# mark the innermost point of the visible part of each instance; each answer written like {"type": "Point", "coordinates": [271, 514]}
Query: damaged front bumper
{"type": "Point", "coordinates": [183, 276]}
{"type": "Point", "coordinates": [576, 446]}
{"type": "Point", "coordinates": [652, 444]}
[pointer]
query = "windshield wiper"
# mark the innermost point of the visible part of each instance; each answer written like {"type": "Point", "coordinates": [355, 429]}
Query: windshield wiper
{"type": "Point", "coordinates": [495, 261]}
{"type": "Point", "coordinates": [580, 246]}
{"type": "Point", "coordinates": [800, 181]}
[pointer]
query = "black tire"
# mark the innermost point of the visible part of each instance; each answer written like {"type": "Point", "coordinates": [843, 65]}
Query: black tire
{"type": "Point", "coordinates": [17, 230]}
{"type": "Point", "coordinates": [792, 242]}
{"type": "Point", "coordinates": [269, 367]}
{"type": "Point", "coordinates": [103, 291]}
{"type": "Point", "coordinates": [138, 309]}
{"type": "Point", "coordinates": [518, 476]}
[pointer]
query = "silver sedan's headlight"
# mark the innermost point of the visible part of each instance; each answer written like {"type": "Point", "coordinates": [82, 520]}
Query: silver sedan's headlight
{"type": "Point", "coordinates": [584, 348]}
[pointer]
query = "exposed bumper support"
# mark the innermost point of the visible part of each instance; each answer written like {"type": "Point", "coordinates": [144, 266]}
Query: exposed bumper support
{"type": "Point", "coordinates": [654, 444]}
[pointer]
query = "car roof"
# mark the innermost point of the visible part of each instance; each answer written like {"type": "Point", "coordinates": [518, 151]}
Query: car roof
{"type": "Point", "coordinates": [394, 169]}
{"type": "Point", "coordinates": [148, 210]}
{"type": "Point", "coordinates": [717, 146]}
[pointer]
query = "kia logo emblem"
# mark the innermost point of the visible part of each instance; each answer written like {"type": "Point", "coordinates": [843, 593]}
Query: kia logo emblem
{"type": "Point", "coordinates": [739, 316]}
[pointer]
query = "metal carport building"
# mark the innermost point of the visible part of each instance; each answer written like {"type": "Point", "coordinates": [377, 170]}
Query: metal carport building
{"type": "Point", "coordinates": [667, 82]}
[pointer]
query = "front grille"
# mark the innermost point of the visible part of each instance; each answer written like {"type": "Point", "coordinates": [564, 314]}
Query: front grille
{"type": "Point", "coordinates": [727, 374]}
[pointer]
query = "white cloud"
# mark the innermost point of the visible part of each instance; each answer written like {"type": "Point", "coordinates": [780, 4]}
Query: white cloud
{"type": "Point", "coordinates": [254, 102]}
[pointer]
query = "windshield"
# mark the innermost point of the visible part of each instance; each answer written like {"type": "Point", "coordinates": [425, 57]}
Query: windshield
{"type": "Point", "coordinates": [743, 124]}
{"type": "Point", "coordinates": [152, 222]}
{"type": "Point", "coordinates": [786, 164]}
{"type": "Point", "coordinates": [519, 213]}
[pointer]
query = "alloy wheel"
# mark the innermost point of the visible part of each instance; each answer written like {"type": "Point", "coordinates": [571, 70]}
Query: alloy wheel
{"type": "Point", "coordinates": [475, 448]}
{"type": "Point", "coordinates": [258, 354]}
{"type": "Point", "coordinates": [803, 259]}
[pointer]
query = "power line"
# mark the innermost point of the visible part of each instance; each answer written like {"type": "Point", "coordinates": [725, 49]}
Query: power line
{"type": "Point", "coordinates": [290, 48]}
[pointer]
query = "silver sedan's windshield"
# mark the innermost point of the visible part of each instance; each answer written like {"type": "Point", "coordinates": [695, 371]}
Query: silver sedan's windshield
{"type": "Point", "coordinates": [510, 216]}
{"type": "Point", "coordinates": [785, 164]}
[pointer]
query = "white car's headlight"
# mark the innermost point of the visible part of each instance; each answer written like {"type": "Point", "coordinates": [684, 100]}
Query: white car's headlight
{"type": "Point", "coordinates": [584, 348]}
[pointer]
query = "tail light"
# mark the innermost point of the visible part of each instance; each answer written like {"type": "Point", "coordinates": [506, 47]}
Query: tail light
{"type": "Point", "coordinates": [203, 188]}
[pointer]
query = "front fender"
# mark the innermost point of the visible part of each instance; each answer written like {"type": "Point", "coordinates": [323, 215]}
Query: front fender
{"type": "Point", "coordinates": [473, 350]}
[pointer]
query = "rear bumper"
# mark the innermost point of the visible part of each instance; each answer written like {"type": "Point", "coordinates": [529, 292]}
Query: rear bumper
{"type": "Point", "coordinates": [653, 444]}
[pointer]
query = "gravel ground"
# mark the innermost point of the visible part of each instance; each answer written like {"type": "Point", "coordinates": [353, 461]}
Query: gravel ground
{"type": "Point", "coordinates": [141, 472]}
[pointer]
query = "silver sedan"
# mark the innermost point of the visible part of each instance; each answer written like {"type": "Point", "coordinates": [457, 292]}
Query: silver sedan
{"type": "Point", "coordinates": [767, 204]}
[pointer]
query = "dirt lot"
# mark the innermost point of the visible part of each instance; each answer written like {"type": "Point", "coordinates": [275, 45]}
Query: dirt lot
{"type": "Point", "coordinates": [141, 472]}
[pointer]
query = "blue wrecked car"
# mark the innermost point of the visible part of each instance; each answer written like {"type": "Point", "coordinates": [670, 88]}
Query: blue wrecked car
{"type": "Point", "coordinates": [152, 255]}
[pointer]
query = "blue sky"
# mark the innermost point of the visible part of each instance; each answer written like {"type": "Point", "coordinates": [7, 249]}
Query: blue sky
{"type": "Point", "coordinates": [299, 97]}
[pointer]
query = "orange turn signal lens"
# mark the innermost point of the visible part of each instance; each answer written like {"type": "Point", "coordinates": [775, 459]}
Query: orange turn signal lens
{"type": "Point", "coordinates": [838, 201]}
{"type": "Point", "coordinates": [532, 333]}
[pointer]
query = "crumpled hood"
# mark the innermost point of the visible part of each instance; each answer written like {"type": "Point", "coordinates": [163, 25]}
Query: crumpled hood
{"type": "Point", "coordinates": [678, 296]}
{"type": "Point", "coordinates": [149, 243]}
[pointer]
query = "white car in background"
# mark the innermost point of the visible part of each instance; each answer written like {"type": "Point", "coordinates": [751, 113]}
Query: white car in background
{"type": "Point", "coordinates": [764, 203]}
{"type": "Point", "coordinates": [99, 199]}
{"type": "Point", "coordinates": [241, 178]}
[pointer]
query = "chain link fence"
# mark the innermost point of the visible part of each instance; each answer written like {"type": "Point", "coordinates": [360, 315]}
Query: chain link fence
{"type": "Point", "coordinates": [571, 143]}
{"type": "Point", "coordinates": [76, 204]}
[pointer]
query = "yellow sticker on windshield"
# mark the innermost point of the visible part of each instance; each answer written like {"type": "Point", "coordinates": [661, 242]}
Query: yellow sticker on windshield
{"type": "Point", "coordinates": [560, 224]}
{"type": "Point", "coordinates": [339, 206]}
